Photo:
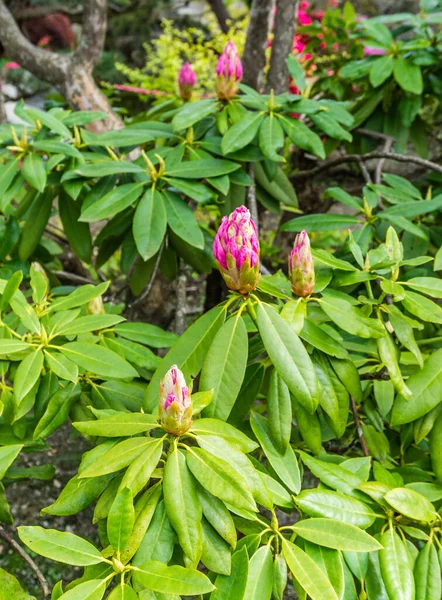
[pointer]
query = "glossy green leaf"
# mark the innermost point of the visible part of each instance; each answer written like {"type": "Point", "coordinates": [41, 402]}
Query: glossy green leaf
{"type": "Point", "coordinates": [112, 203]}
{"type": "Point", "coordinates": [427, 574]}
{"type": "Point", "coordinates": [27, 374]}
{"type": "Point", "coordinates": [233, 586]}
{"type": "Point", "coordinates": [34, 171]}
{"type": "Point", "coordinates": [118, 457]}
{"type": "Point", "coordinates": [260, 575]}
{"type": "Point", "coordinates": [411, 504]}
{"type": "Point", "coordinates": [123, 424]}
{"type": "Point", "coordinates": [335, 534]}
{"type": "Point", "coordinates": [181, 220]}
{"type": "Point", "coordinates": [173, 580]}
{"type": "Point", "coordinates": [121, 520]}
{"type": "Point", "coordinates": [395, 567]}
{"type": "Point", "coordinates": [242, 133]}
{"type": "Point", "coordinates": [335, 505]}
{"type": "Point", "coordinates": [279, 410]}
{"type": "Point", "coordinates": [350, 318]}
{"type": "Point", "coordinates": [98, 360]}
{"type": "Point", "coordinates": [233, 436]}
{"type": "Point", "coordinates": [150, 223]}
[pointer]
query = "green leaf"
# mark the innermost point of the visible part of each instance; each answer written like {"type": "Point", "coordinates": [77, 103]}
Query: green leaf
{"type": "Point", "coordinates": [216, 552]}
{"type": "Point", "coordinates": [318, 338]}
{"type": "Point", "coordinates": [147, 334]}
{"type": "Point", "coordinates": [128, 136]}
{"type": "Point", "coordinates": [82, 295]}
{"type": "Point", "coordinates": [336, 534]}
{"type": "Point", "coordinates": [192, 112]}
{"type": "Point", "coordinates": [426, 389]}
{"type": "Point", "coordinates": [34, 171]}
{"type": "Point", "coordinates": [427, 574]}
{"type": "Point", "coordinates": [224, 367]}
{"type": "Point", "coordinates": [220, 479]}
{"type": "Point", "coordinates": [108, 167]}
{"type": "Point", "coordinates": [173, 580]}
{"type": "Point", "coordinates": [78, 234]}
{"type": "Point", "coordinates": [432, 286]}
{"type": "Point", "coordinates": [422, 307]}
{"type": "Point", "coordinates": [7, 456]}
{"type": "Point", "coordinates": [332, 475]}
{"type": "Point", "coordinates": [271, 138]}
{"type": "Point", "coordinates": [10, 288]}
{"type": "Point", "coordinates": [122, 424]}
{"type": "Point", "coordinates": [260, 576]}
{"type": "Point", "coordinates": [279, 411]}
{"type": "Point", "coordinates": [88, 590]}
{"type": "Point", "coordinates": [188, 353]}
{"type": "Point", "coordinates": [121, 520]}
{"type": "Point", "coordinates": [27, 374]}
{"type": "Point", "coordinates": [98, 360]}
{"type": "Point", "coordinates": [36, 221]}
{"type": "Point", "coordinates": [307, 573]}
{"type": "Point", "coordinates": [331, 564]}
{"type": "Point", "coordinates": [140, 471]}
{"type": "Point", "coordinates": [112, 203]}
{"type": "Point", "coordinates": [77, 495]}
{"type": "Point", "coordinates": [285, 465]}
{"type": "Point", "coordinates": [328, 259]}
{"type": "Point", "coordinates": [242, 133]}
{"type": "Point", "coordinates": [182, 505]}
{"type": "Point", "coordinates": [320, 223]}
{"type": "Point", "coordinates": [10, 588]}
{"type": "Point", "coordinates": [49, 121]}
{"type": "Point", "coordinates": [280, 188]}
{"type": "Point", "coordinates": [181, 220]}
{"type": "Point", "coordinates": [8, 347]}
{"type": "Point", "coordinates": [302, 136]}
{"type": "Point", "coordinates": [389, 355]}
{"type": "Point", "coordinates": [411, 504]}
{"type": "Point", "coordinates": [60, 546]}
{"type": "Point", "coordinates": [330, 127]}
{"type": "Point", "coordinates": [225, 431]}
{"type": "Point", "coordinates": [289, 356]}
{"type": "Point", "coordinates": [123, 592]}
{"type": "Point", "coordinates": [408, 75]}
{"type": "Point", "coordinates": [150, 223]}
{"type": "Point", "coordinates": [216, 513]}
{"type": "Point", "coordinates": [335, 505]}
{"type": "Point", "coordinates": [118, 457]}
{"type": "Point", "coordinates": [351, 319]}
{"type": "Point", "coordinates": [87, 324]}
{"type": "Point", "coordinates": [381, 70]}
{"type": "Point", "coordinates": [344, 198]}
{"type": "Point", "coordinates": [395, 567]}
{"type": "Point", "coordinates": [233, 587]}
{"type": "Point", "coordinates": [57, 410]}
{"type": "Point", "coordinates": [202, 169]}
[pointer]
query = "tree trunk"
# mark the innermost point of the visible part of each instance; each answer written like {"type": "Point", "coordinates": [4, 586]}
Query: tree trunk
{"type": "Point", "coordinates": [70, 73]}
{"type": "Point", "coordinates": [82, 93]}
{"type": "Point", "coordinates": [221, 13]}
{"type": "Point", "coordinates": [285, 27]}
{"type": "Point", "coordinates": [253, 59]}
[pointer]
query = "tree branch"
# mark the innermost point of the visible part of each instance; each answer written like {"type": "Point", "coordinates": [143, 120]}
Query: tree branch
{"type": "Point", "coordinates": [349, 158]}
{"type": "Point", "coordinates": [253, 58]}
{"type": "Point", "coordinates": [285, 27]}
{"type": "Point", "coordinates": [45, 65]}
{"type": "Point", "coordinates": [17, 548]}
{"type": "Point", "coordinates": [93, 34]}
{"type": "Point", "coordinates": [359, 427]}
{"type": "Point", "coordinates": [221, 13]}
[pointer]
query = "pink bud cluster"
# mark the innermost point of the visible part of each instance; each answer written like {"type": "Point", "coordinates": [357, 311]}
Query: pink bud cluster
{"type": "Point", "coordinates": [236, 250]}
{"type": "Point", "coordinates": [229, 72]}
{"type": "Point", "coordinates": [186, 81]}
{"type": "Point", "coordinates": [175, 404]}
{"type": "Point", "coordinates": [301, 268]}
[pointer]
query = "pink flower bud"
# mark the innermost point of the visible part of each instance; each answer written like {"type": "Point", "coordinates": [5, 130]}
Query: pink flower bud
{"type": "Point", "coordinates": [175, 404]}
{"type": "Point", "coordinates": [11, 66]}
{"type": "Point", "coordinates": [301, 268]}
{"type": "Point", "coordinates": [229, 72]}
{"type": "Point", "coordinates": [186, 81]}
{"type": "Point", "coordinates": [236, 251]}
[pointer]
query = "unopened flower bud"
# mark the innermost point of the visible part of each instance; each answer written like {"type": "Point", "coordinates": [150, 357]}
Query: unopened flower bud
{"type": "Point", "coordinates": [186, 81]}
{"type": "Point", "coordinates": [96, 306]}
{"type": "Point", "coordinates": [301, 268]}
{"type": "Point", "coordinates": [175, 405]}
{"type": "Point", "coordinates": [236, 251]}
{"type": "Point", "coordinates": [229, 72]}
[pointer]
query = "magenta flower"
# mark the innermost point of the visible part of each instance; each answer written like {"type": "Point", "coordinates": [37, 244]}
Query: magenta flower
{"type": "Point", "coordinates": [11, 66]}
{"type": "Point", "coordinates": [369, 51]}
{"type": "Point", "coordinates": [236, 251]}
{"type": "Point", "coordinates": [186, 81]}
{"type": "Point", "coordinates": [229, 72]}
{"type": "Point", "coordinates": [301, 267]}
{"type": "Point", "coordinates": [175, 404]}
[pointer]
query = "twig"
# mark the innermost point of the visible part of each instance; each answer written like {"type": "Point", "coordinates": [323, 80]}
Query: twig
{"type": "Point", "coordinates": [148, 287]}
{"type": "Point", "coordinates": [365, 172]}
{"type": "Point", "coordinates": [73, 277]}
{"type": "Point", "coordinates": [375, 134]}
{"type": "Point", "coordinates": [349, 158]}
{"type": "Point", "coordinates": [15, 546]}
{"type": "Point", "coordinates": [251, 198]}
{"type": "Point", "coordinates": [382, 375]}
{"type": "Point", "coordinates": [359, 427]}
{"type": "Point", "coordinates": [378, 173]}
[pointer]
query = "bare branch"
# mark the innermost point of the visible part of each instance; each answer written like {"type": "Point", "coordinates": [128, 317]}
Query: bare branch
{"type": "Point", "coordinates": [93, 33]}
{"type": "Point", "coordinates": [17, 548]}
{"type": "Point", "coordinates": [349, 158]}
{"type": "Point", "coordinates": [359, 427]}
{"type": "Point", "coordinates": [253, 58]}
{"type": "Point", "coordinates": [45, 65]}
{"type": "Point", "coordinates": [285, 27]}
{"type": "Point", "coordinates": [221, 13]}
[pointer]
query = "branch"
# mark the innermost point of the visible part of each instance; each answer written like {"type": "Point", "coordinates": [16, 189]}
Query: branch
{"type": "Point", "coordinates": [253, 58]}
{"type": "Point", "coordinates": [349, 158]}
{"type": "Point", "coordinates": [45, 65]}
{"type": "Point", "coordinates": [359, 427]}
{"type": "Point", "coordinates": [221, 13]}
{"type": "Point", "coordinates": [73, 277]}
{"type": "Point", "coordinates": [15, 546]}
{"type": "Point", "coordinates": [382, 375]}
{"type": "Point", "coordinates": [285, 26]}
{"type": "Point", "coordinates": [93, 34]}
